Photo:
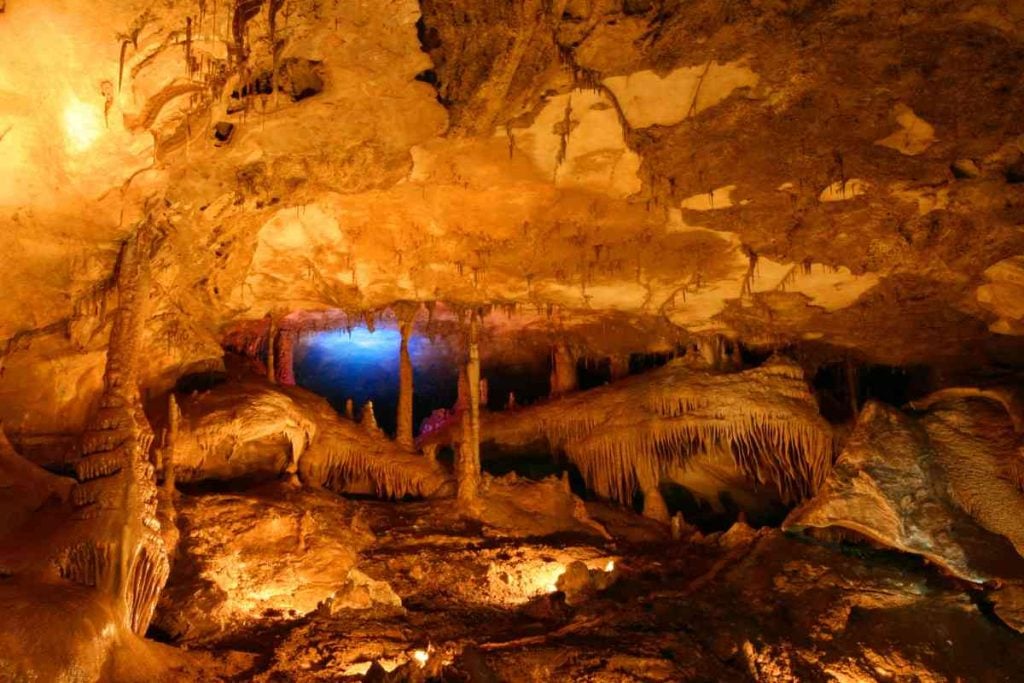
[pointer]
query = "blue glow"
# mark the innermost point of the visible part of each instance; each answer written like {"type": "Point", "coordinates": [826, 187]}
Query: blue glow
{"type": "Point", "coordinates": [363, 366]}
{"type": "Point", "coordinates": [360, 344]}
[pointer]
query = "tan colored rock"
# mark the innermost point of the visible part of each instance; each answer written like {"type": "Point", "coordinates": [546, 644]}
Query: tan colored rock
{"type": "Point", "coordinates": [628, 435]}
{"type": "Point", "coordinates": [933, 486]}
{"type": "Point", "coordinates": [360, 592]}
{"type": "Point", "coordinates": [251, 429]}
{"type": "Point", "coordinates": [648, 98]}
{"type": "Point", "coordinates": [272, 555]}
{"type": "Point", "coordinates": [1003, 295]}
{"type": "Point", "coordinates": [914, 136]}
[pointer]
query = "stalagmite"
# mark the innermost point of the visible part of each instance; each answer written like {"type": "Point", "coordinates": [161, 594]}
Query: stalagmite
{"type": "Point", "coordinates": [117, 544]}
{"type": "Point", "coordinates": [350, 409]}
{"type": "Point", "coordinates": [618, 366]}
{"type": "Point", "coordinates": [563, 370]}
{"type": "Point", "coordinates": [271, 336]}
{"type": "Point", "coordinates": [173, 425]}
{"type": "Point", "coordinates": [405, 387]}
{"type": "Point", "coordinates": [468, 459]}
{"type": "Point", "coordinates": [678, 525]}
{"type": "Point", "coordinates": [368, 419]}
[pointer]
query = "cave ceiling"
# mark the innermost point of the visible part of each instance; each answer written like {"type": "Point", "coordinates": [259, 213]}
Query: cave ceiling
{"type": "Point", "coordinates": [848, 173]}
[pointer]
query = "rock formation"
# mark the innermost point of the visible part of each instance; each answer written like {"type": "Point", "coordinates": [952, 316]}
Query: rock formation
{"type": "Point", "coordinates": [116, 544]}
{"type": "Point", "coordinates": [937, 486]}
{"type": "Point", "coordinates": [272, 269]}
{"type": "Point", "coordinates": [252, 430]}
{"type": "Point", "coordinates": [626, 436]}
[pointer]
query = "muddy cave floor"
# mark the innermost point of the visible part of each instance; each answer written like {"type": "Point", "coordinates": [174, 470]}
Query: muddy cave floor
{"type": "Point", "coordinates": [741, 605]}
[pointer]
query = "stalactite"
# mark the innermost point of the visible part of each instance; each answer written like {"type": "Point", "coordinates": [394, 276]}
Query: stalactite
{"type": "Point", "coordinates": [468, 457]}
{"type": "Point", "coordinates": [271, 334]}
{"type": "Point", "coordinates": [563, 370]}
{"type": "Point", "coordinates": [405, 387]}
{"type": "Point", "coordinates": [624, 436]}
{"type": "Point", "coordinates": [122, 551]}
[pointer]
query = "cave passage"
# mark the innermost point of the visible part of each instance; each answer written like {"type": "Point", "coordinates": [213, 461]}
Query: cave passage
{"type": "Point", "coordinates": [363, 365]}
{"type": "Point", "coordinates": [511, 341]}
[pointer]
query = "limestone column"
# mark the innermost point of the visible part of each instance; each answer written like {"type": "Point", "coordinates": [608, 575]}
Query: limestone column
{"type": "Point", "coordinates": [468, 460]}
{"type": "Point", "coordinates": [563, 370]}
{"type": "Point", "coordinates": [850, 370]}
{"type": "Point", "coordinates": [173, 421]}
{"type": "Point", "coordinates": [404, 435]}
{"type": "Point", "coordinates": [285, 364]}
{"type": "Point", "coordinates": [462, 397]}
{"type": "Point", "coordinates": [618, 366]}
{"type": "Point", "coordinates": [271, 333]}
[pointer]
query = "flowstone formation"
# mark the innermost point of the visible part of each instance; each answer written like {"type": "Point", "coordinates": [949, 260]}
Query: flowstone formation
{"type": "Point", "coordinates": [99, 544]}
{"type": "Point", "coordinates": [627, 436]}
{"type": "Point", "coordinates": [250, 429]}
{"type": "Point", "coordinates": [942, 485]}
{"type": "Point", "coordinates": [117, 545]}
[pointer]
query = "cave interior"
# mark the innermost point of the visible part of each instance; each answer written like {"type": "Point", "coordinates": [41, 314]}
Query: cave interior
{"type": "Point", "coordinates": [522, 341]}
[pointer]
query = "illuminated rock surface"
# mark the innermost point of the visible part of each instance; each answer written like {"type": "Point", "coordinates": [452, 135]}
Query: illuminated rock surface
{"type": "Point", "coordinates": [637, 272]}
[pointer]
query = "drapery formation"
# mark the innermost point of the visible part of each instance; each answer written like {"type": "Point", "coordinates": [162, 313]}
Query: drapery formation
{"type": "Point", "coordinates": [117, 545]}
{"type": "Point", "coordinates": [252, 428]}
{"type": "Point", "coordinates": [624, 436]}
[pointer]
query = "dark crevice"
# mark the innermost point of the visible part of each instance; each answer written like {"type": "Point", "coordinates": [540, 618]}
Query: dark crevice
{"type": "Point", "coordinates": [430, 43]}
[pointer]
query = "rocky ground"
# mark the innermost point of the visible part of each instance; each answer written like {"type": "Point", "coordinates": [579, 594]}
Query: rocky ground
{"type": "Point", "coordinates": [484, 602]}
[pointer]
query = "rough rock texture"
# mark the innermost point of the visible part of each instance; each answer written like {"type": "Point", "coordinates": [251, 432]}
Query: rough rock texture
{"type": "Point", "coordinates": [736, 607]}
{"type": "Point", "coordinates": [256, 559]}
{"type": "Point", "coordinates": [251, 429]}
{"type": "Point", "coordinates": [630, 434]}
{"type": "Point", "coordinates": [933, 486]}
{"type": "Point", "coordinates": [630, 164]}
{"type": "Point", "coordinates": [26, 488]}
{"type": "Point", "coordinates": [843, 180]}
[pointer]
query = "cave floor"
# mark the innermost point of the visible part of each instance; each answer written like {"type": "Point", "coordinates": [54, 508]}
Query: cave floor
{"type": "Point", "coordinates": [743, 605]}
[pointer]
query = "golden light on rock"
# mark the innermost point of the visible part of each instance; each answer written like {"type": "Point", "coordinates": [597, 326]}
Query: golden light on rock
{"type": "Point", "coordinates": [537, 340]}
{"type": "Point", "coordinates": [83, 124]}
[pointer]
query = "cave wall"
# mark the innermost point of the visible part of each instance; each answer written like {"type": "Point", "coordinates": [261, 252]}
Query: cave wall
{"type": "Point", "coordinates": [845, 172]}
